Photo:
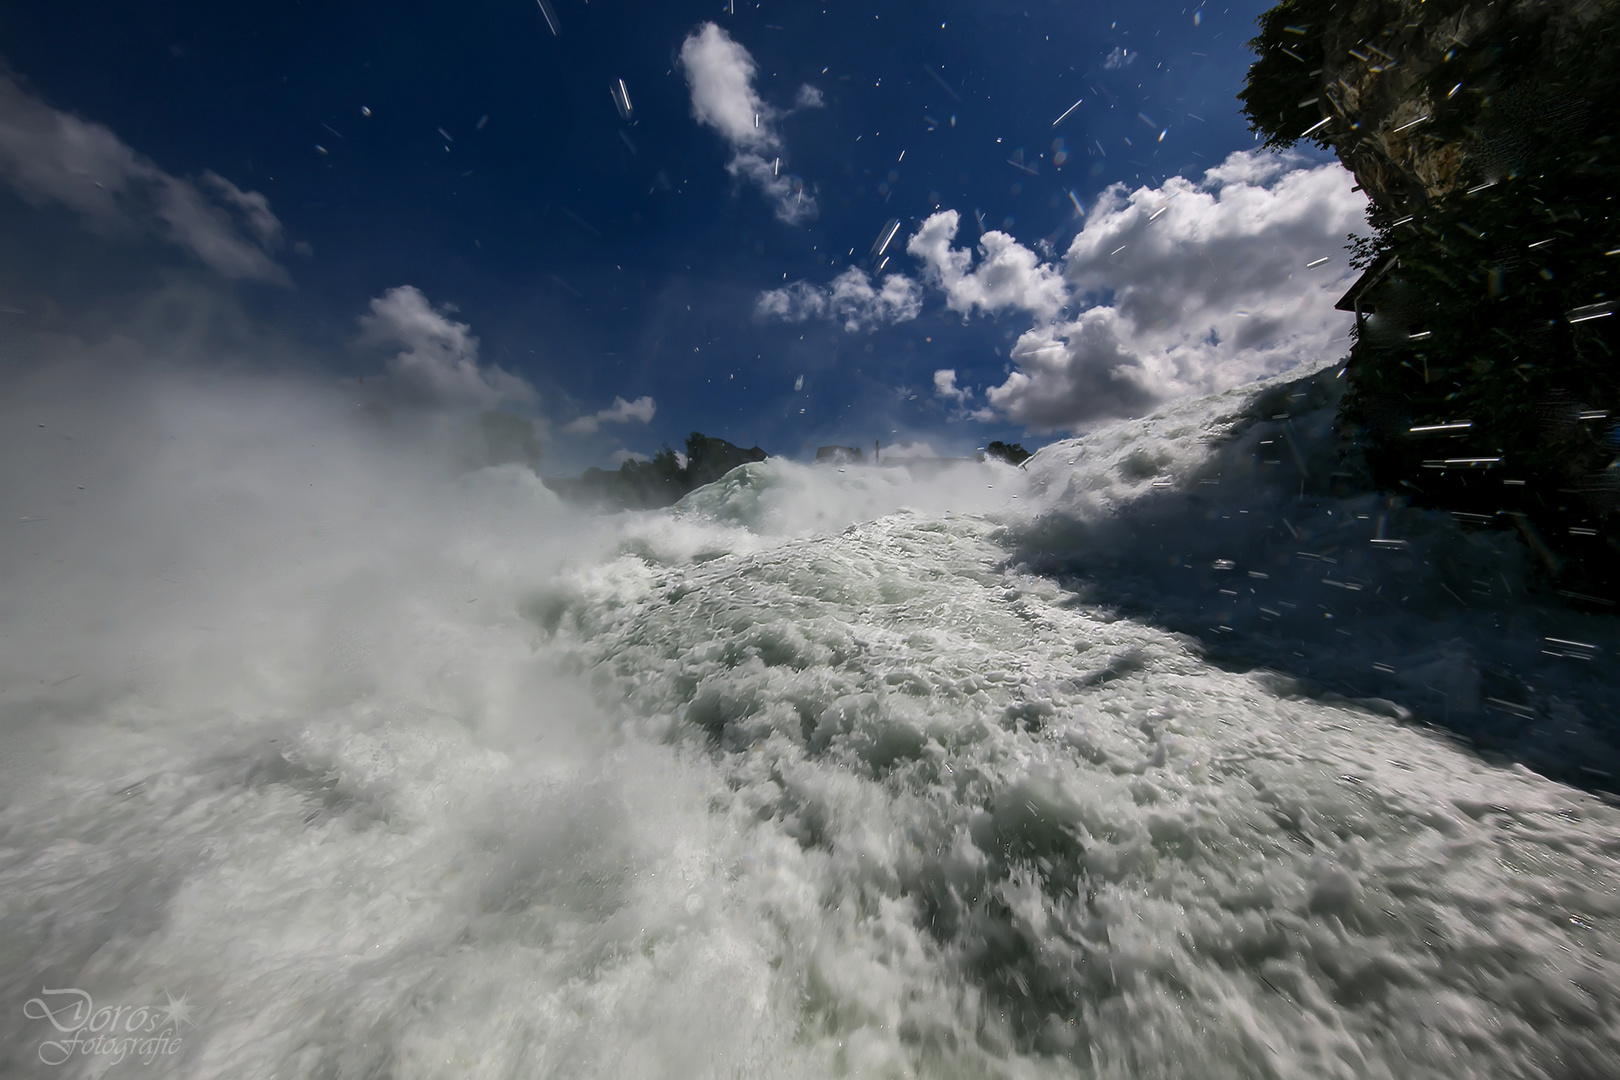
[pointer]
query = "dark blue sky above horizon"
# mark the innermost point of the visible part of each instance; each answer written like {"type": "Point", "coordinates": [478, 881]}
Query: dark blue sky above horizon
{"type": "Point", "coordinates": [599, 258]}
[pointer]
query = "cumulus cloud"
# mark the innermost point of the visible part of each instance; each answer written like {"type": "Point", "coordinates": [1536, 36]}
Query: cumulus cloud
{"type": "Point", "coordinates": [48, 156]}
{"type": "Point", "coordinates": [787, 192]}
{"type": "Point", "coordinates": [850, 298]}
{"type": "Point", "coordinates": [1078, 371]}
{"type": "Point", "coordinates": [1008, 275]}
{"type": "Point", "coordinates": [945, 386]}
{"type": "Point", "coordinates": [620, 412]}
{"type": "Point", "coordinates": [621, 456]}
{"type": "Point", "coordinates": [438, 358]}
{"type": "Point", "coordinates": [720, 74]}
{"type": "Point", "coordinates": [1193, 287]}
{"type": "Point", "coordinates": [809, 97]}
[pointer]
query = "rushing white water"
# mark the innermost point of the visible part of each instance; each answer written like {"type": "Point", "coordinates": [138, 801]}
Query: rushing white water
{"type": "Point", "coordinates": [394, 771]}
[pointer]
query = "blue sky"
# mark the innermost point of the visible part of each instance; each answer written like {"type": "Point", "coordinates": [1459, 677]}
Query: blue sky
{"type": "Point", "coordinates": [450, 200]}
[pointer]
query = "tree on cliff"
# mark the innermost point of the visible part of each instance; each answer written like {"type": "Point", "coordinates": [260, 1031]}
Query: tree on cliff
{"type": "Point", "coordinates": [662, 481]}
{"type": "Point", "coordinates": [1011, 453]}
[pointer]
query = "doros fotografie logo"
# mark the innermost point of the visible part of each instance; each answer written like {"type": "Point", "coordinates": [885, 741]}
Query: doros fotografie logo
{"type": "Point", "coordinates": [78, 1025]}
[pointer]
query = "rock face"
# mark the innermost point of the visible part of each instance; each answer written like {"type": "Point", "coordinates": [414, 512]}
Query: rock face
{"type": "Point", "coordinates": [1385, 76]}
{"type": "Point", "coordinates": [663, 481]}
{"type": "Point", "coordinates": [1483, 375]}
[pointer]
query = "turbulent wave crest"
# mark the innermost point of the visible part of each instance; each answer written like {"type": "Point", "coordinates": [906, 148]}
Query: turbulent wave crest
{"type": "Point", "coordinates": [401, 769]}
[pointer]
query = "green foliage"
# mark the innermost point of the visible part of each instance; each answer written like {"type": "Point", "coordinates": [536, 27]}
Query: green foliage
{"type": "Point", "coordinates": [661, 481]}
{"type": "Point", "coordinates": [1286, 92]}
{"type": "Point", "coordinates": [1011, 453]}
{"type": "Point", "coordinates": [1367, 251]}
{"type": "Point", "coordinates": [1287, 71]}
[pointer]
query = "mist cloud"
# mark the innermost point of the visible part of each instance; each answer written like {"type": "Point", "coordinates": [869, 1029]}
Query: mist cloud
{"type": "Point", "coordinates": [51, 157]}
{"type": "Point", "coordinates": [438, 359]}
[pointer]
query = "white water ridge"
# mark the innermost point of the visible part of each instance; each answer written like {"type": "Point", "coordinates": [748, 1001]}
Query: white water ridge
{"type": "Point", "coordinates": [396, 771]}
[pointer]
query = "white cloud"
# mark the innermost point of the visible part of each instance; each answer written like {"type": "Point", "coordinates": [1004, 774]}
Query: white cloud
{"type": "Point", "coordinates": [48, 156]}
{"type": "Point", "coordinates": [1079, 371]}
{"type": "Point", "coordinates": [850, 298]}
{"type": "Point", "coordinates": [263, 224]}
{"type": "Point", "coordinates": [945, 386]}
{"type": "Point", "coordinates": [809, 97]}
{"type": "Point", "coordinates": [1008, 275]}
{"type": "Point", "coordinates": [1119, 58]}
{"type": "Point", "coordinates": [620, 412]}
{"type": "Point", "coordinates": [439, 358]}
{"type": "Point", "coordinates": [793, 303]}
{"type": "Point", "coordinates": [1193, 288]}
{"type": "Point", "coordinates": [720, 74]}
{"type": "Point", "coordinates": [787, 192]}
{"type": "Point", "coordinates": [621, 456]}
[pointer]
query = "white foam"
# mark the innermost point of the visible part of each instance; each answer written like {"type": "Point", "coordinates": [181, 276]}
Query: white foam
{"type": "Point", "coordinates": [394, 769]}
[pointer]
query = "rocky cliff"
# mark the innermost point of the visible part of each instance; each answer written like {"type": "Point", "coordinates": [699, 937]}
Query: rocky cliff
{"type": "Point", "coordinates": [1483, 375]}
{"type": "Point", "coordinates": [1411, 93]}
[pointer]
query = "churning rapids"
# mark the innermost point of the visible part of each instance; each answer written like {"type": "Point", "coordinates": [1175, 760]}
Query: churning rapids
{"type": "Point", "coordinates": [1142, 761]}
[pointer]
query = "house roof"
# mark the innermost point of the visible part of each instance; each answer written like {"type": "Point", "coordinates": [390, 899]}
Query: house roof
{"type": "Point", "coordinates": [1370, 277]}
